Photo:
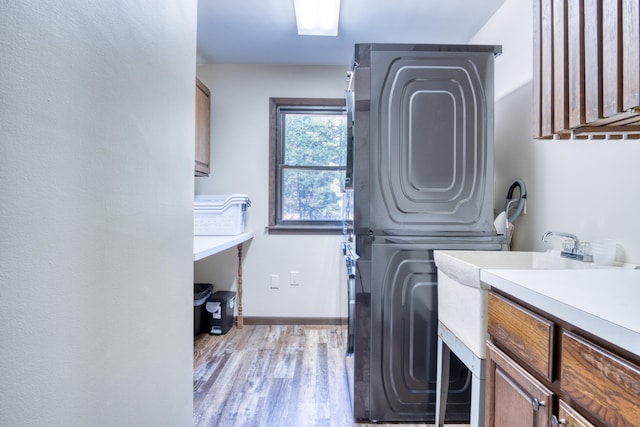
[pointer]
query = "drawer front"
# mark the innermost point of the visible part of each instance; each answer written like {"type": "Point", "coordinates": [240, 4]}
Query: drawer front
{"type": "Point", "coordinates": [526, 335]}
{"type": "Point", "coordinates": [599, 381]}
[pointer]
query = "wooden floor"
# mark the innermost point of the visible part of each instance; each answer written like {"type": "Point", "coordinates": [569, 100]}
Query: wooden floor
{"type": "Point", "coordinates": [279, 375]}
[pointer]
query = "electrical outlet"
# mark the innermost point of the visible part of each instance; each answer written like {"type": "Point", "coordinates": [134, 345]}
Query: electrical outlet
{"type": "Point", "coordinates": [295, 278]}
{"type": "Point", "coordinates": [275, 281]}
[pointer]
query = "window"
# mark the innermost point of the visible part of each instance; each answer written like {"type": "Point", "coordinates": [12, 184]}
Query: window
{"type": "Point", "coordinates": [308, 152]}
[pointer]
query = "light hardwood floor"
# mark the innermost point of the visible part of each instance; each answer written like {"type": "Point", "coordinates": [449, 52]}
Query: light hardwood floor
{"type": "Point", "coordinates": [282, 375]}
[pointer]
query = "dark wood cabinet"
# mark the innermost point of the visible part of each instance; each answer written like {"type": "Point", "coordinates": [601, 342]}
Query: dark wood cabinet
{"type": "Point", "coordinates": [543, 371]}
{"type": "Point", "coordinates": [525, 334]}
{"type": "Point", "coordinates": [586, 77]}
{"type": "Point", "coordinates": [606, 385]}
{"type": "Point", "coordinates": [514, 397]}
{"type": "Point", "coordinates": [203, 129]}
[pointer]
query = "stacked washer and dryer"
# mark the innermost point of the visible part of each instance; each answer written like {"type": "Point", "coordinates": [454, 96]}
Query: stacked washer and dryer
{"type": "Point", "coordinates": [421, 131]}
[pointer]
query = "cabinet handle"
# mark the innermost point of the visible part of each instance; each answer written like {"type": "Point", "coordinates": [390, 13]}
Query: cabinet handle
{"type": "Point", "coordinates": [537, 404]}
{"type": "Point", "coordinates": [555, 422]}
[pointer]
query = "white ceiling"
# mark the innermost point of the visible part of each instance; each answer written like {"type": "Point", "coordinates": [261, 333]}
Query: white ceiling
{"type": "Point", "coordinates": [264, 31]}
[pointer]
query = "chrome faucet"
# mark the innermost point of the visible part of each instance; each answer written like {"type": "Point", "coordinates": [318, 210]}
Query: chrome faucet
{"type": "Point", "coordinates": [576, 250]}
{"type": "Point", "coordinates": [576, 241]}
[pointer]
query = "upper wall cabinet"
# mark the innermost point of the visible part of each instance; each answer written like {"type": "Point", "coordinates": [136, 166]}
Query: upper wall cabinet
{"type": "Point", "coordinates": [586, 76]}
{"type": "Point", "coordinates": [203, 129]}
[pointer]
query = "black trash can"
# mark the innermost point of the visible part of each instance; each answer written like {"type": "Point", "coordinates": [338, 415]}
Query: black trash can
{"type": "Point", "coordinates": [201, 292]}
{"type": "Point", "coordinates": [220, 308]}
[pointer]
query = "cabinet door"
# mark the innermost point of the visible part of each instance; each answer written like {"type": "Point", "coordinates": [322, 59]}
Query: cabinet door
{"type": "Point", "coordinates": [586, 77]}
{"type": "Point", "coordinates": [568, 417]}
{"type": "Point", "coordinates": [203, 119]}
{"type": "Point", "coordinates": [620, 56]}
{"type": "Point", "coordinates": [514, 397]}
{"type": "Point", "coordinates": [631, 54]}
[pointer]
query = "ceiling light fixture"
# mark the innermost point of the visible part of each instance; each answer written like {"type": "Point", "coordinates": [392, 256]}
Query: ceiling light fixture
{"type": "Point", "coordinates": [317, 17]}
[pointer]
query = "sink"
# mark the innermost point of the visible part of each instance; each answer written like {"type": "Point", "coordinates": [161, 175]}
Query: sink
{"type": "Point", "coordinates": [462, 297]}
{"type": "Point", "coordinates": [465, 266]}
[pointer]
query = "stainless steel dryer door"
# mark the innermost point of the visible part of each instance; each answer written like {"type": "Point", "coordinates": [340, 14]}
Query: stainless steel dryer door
{"type": "Point", "coordinates": [431, 142]}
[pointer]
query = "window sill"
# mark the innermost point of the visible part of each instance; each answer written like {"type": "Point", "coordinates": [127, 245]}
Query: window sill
{"type": "Point", "coordinates": [302, 229]}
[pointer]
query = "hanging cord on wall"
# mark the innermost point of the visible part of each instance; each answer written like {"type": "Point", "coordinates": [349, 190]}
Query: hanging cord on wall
{"type": "Point", "coordinates": [521, 200]}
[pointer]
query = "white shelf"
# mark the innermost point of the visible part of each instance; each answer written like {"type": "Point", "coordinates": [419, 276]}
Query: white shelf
{"type": "Point", "coordinates": [204, 246]}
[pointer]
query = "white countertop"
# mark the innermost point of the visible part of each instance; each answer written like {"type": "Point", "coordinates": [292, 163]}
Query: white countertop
{"type": "Point", "coordinates": [605, 303]}
{"type": "Point", "coordinates": [204, 246]}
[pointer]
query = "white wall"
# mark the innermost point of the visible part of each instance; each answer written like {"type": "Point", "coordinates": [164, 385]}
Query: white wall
{"type": "Point", "coordinates": [96, 131]}
{"type": "Point", "coordinates": [240, 164]}
{"type": "Point", "coordinates": [588, 188]}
